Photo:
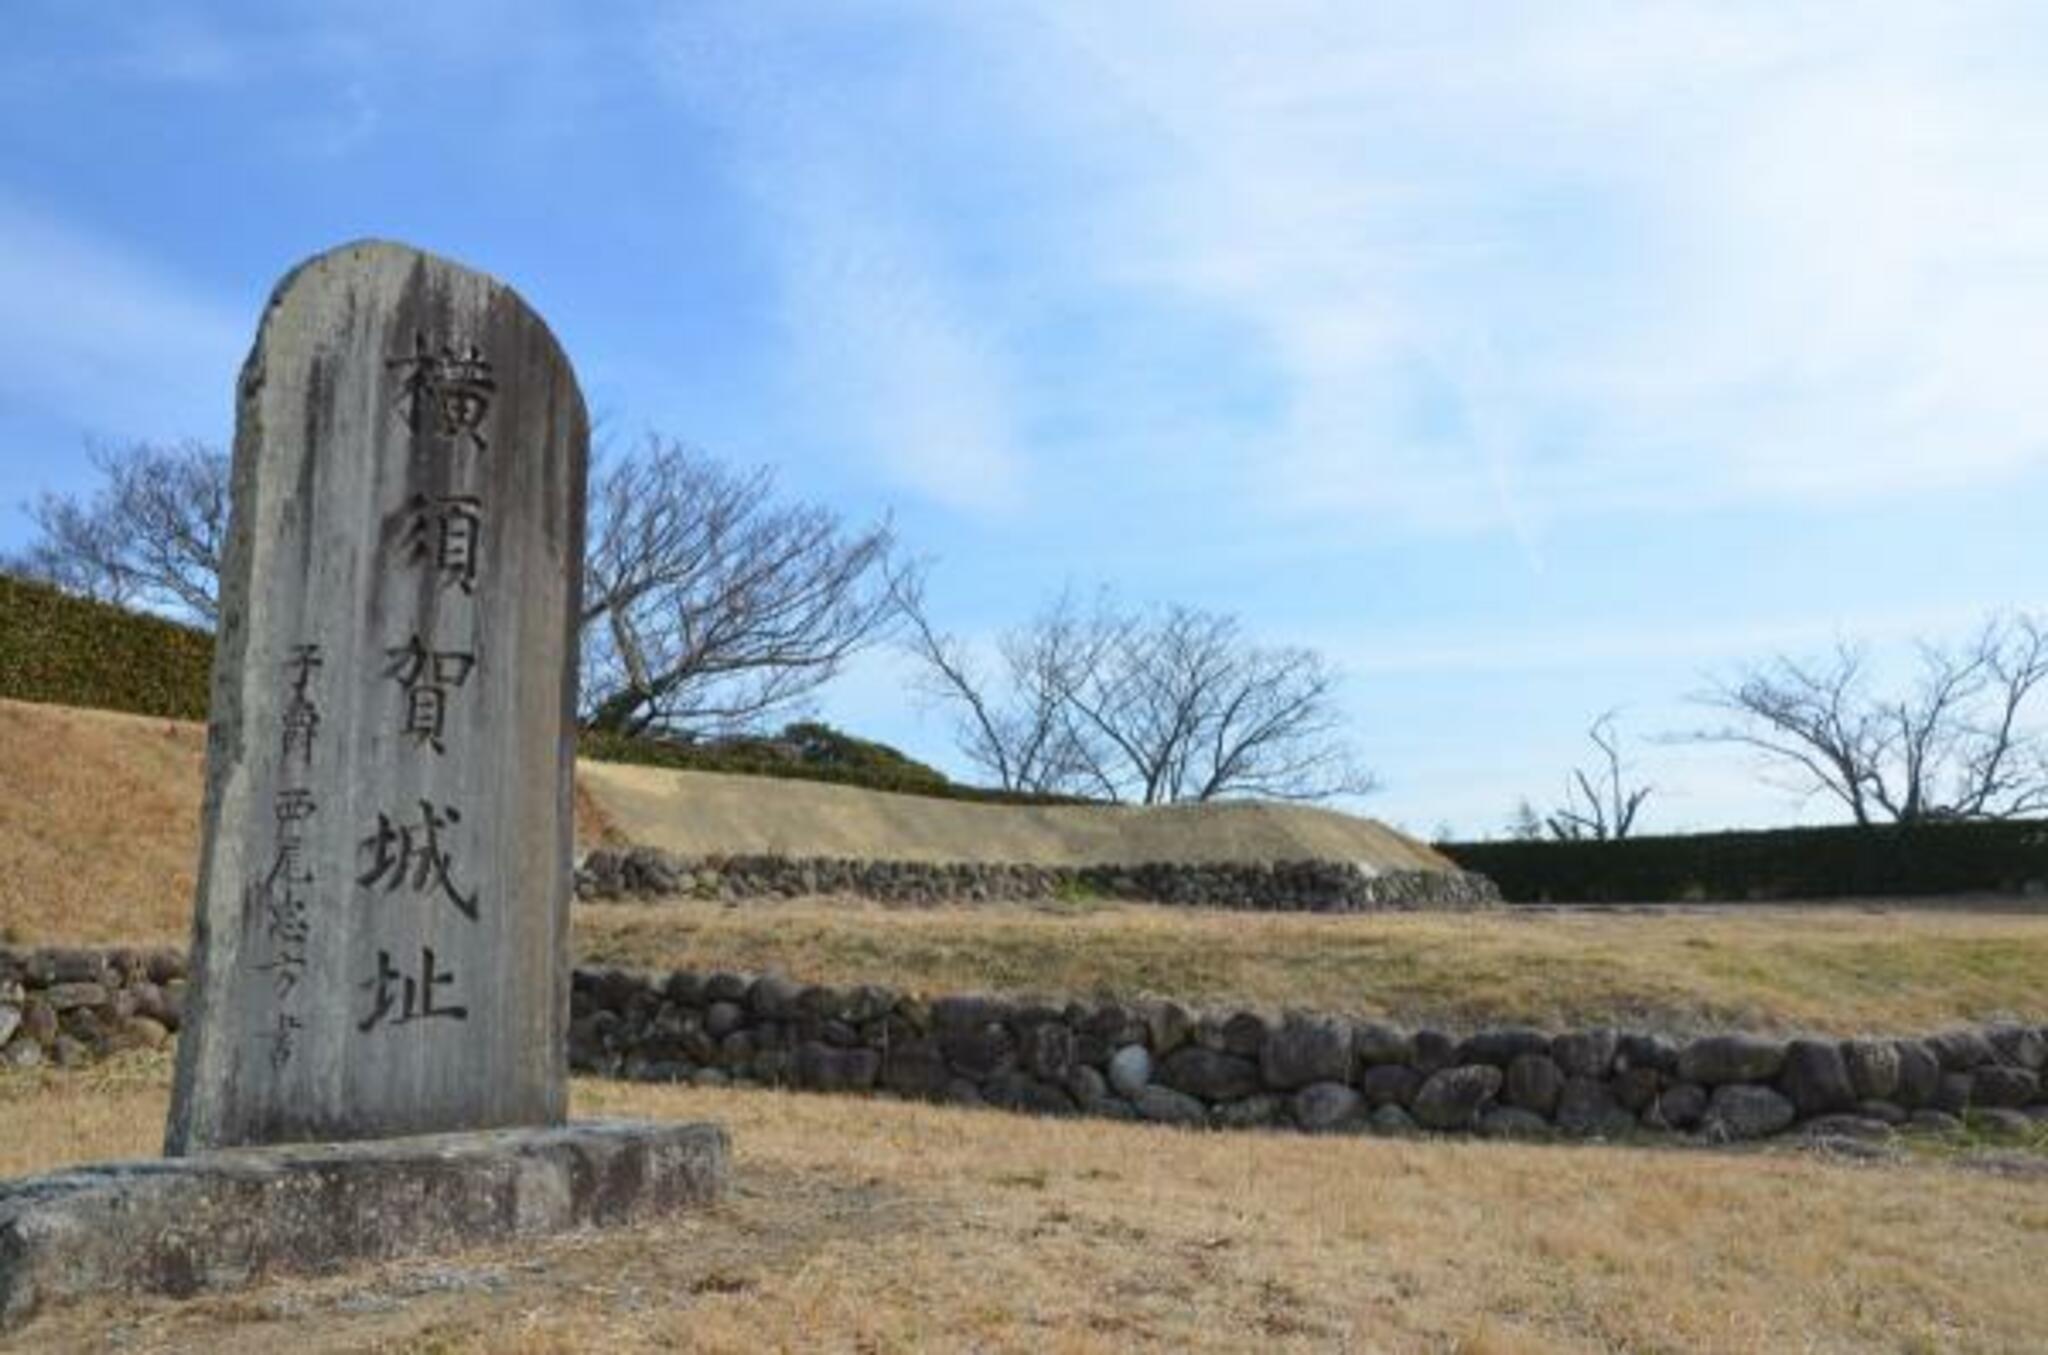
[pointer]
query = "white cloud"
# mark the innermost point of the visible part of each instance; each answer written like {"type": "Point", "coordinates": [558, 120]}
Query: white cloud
{"type": "Point", "coordinates": [1517, 262]}
{"type": "Point", "coordinates": [884, 344]}
{"type": "Point", "coordinates": [92, 333]}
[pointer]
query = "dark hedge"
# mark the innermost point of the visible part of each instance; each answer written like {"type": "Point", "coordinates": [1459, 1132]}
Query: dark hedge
{"type": "Point", "coordinates": [1779, 863]}
{"type": "Point", "coordinates": [65, 650]}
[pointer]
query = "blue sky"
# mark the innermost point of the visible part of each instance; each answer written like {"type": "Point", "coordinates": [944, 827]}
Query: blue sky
{"type": "Point", "coordinates": [1528, 360]}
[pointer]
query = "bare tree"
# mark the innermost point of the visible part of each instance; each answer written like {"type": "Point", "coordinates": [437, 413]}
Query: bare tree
{"type": "Point", "coordinates": [708, 604]}
{"type": "Point", "coordinates": [1600, 805]}
{"type": "Point", "coordinates": [1019, 730]}
{"type": "Point", "coordinates": [1152, 707]}
{"type": "Point", "coordinates": [150, 536]}
{"type": "Point", "coordinates": [1957, 743]}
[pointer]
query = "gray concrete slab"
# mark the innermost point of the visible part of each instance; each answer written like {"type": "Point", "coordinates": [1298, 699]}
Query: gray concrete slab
{"type": "Point", "coordinates": [219, 1220]}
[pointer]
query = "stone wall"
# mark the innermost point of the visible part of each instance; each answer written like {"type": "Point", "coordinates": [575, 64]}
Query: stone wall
{"type": "Point", "coordinates": [1159, 1061]}
{"type": "Point", "coordinates": [1282, 886]}
{"type": "Point", "coordinates": [71, 1006]}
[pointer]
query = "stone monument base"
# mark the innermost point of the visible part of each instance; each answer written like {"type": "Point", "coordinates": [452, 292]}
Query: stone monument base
{"type": "Point", "coordinates": [178, 1226]}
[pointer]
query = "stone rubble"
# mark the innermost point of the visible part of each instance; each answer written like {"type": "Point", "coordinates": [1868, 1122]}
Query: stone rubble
{"type": "Point", "coordinates": [647, 873]}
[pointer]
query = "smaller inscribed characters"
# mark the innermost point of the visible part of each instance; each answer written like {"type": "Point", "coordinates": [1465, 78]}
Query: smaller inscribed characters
{"type": "Point", "coordinates": [427, 676]}
{"type": "Point", "coordinates": [445, 391]}
{"type": "Point", "coordinates": [301, 718]}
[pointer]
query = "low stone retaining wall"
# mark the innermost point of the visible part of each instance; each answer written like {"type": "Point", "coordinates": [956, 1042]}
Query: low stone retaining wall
{"type": "Point", "coordinates": [1156, 1060]}
{"type": "Point", "coordinates": [1281, 886]}
{"type": "Point", "coordinates": [1159, 1061]}
{"type": "Point", "coordinates": [69, 1007]}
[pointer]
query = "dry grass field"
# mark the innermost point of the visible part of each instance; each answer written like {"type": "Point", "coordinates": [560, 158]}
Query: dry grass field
{"type": "Point", "coordinates": [99, 825]}
{"type": "Point", "coordinates": [1840, 970]}
{"type": "Point", "coordinates": [867, 1225]}
{"type": "Point", "coordinates": [704, 814]}
{"type": "Point", "coordinates": [871, 1225]}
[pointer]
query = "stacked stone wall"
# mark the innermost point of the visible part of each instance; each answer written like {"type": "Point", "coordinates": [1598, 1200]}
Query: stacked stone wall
{"type": "Point", "coordinates": [1161, 1061]}
{"type": "Point", "coordinates": [1282, 886]}
{"type": "Point", "coordinates": [71, 1006]}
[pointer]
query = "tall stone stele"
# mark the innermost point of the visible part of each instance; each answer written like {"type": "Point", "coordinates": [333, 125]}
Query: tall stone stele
{"type": "Point", "coordinates": [382, 929]}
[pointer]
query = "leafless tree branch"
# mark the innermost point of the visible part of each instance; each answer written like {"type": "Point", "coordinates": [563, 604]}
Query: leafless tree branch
{"type": "Point", "coordinates": [1957, 743]}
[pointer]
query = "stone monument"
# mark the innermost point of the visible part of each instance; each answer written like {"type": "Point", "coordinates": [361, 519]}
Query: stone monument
{"type": "Point", "coordinates": [381, 935]}
{"type": "Point", "coordinates": [380, 959]}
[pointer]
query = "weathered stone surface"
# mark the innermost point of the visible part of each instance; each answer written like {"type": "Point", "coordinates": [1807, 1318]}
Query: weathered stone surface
{"type": "Point", "coordinates": [1656, 1052]}
{"type": "Point", "coordinates": [978, 1051]}
{"type": "Point", "coordinates": [1324, 1106]}
{"type": "Point", "coordinates": [1502, 1046]}
{"type": "Point", "coordinates": [1884, 1112]}
{"type": "Point", "coordinates": [1167, 1106]}
{"type": "Point", "coordinates": [1244, 1034]}
{"type": "Point", "coordinates": [1873, 1068]}
{"type": "Point", "coordinates": [1390, 1084]}
{"type": "Point", "coordinates": [1919, 1074]}
{"type": "Point", "coordinates": [2000, 1085]}
{"type": "Point", "coordinates": [214, 1220]}
{"type": "Point", "coordinates": [10, 1021]}
{"type": "Point", "coordinates": [828, 1068]}
{"type": "Point", "coordinates": [1952, 1093]}
{"type": "Point", "coordinates": [1715, 1059]}
{"type": "Point", "coordinates": [1452, 1098]}
{"type": "Point", "coordinates": [1047, 1050]}
{"type": "Point", "coordinates": [1433, 1052]}
{"type": "Point", "coordinates": [2021, 1046]}
{"type": "Point", "coordinates": [1170, 1025]}
{"type": "Point", "coordinates": [1375, 1043]}
{"type": "Point", "coordinates": [1088, 1087]}
{"type": "Point", "coordinates": [1208, 1074]}
{"type": "Point", "coordinates": [1636, 1087]}
{"type": "Point", "coordinates": [1391, 1120]}
{"type": "Point", "coordinates": [1677, 1107]}
{"type": "Point", "coordinates": [1961, 1050]}
{"type": "Point", "coordinates": [64, 997]}
{"type": "Point", "coordinates": [1301, 1051]}
{"type": "Point", "coordinates": [1816, 1077]}
{"type": "Point", "coordinates": [1533, 1083]}
{"type": "Point", "coordinates": [1020, 1091]}
{"type": "Point", "coordinates": [1253, 1112]}
{"type": "Point", "coordinates": [1744, 1111]}
{"type": "Point", "coordinates": [1130, 1068]}
{"type": "Point", "coordinates": [381, 935]}
{"type": "Point", "coordinates": [915, 1068]}
{"type": "Point", "coordinates": [1587, 1109]}
{"type": "Point", "coordinates": [1586, 1053]}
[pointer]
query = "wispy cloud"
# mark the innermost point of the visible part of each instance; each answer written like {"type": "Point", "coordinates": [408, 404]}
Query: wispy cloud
{"type": "Point", "coordinates": [1516, 263]}
{"type": "Point", "coordinates": [882, 341]}
{"type": "Point", "coordinates": [94, 333]}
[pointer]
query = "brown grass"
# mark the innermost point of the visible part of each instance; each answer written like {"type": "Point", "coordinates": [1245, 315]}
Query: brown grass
{"type": "Point", "coordinates": [705, 813]}
{"type": "Point", "coordinates": [98, 825]}
{"type": "Point", "coordinates": [876, 1226]}
{"type": "Point", "coordinates": [97, 845]}
{"type": "Point", "coordinates": [1836, 970]}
